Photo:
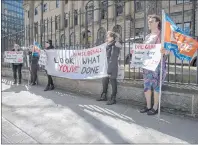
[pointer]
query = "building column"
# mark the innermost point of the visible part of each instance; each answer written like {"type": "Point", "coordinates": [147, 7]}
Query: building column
{"type": "Point", "coordinates": [80, 4]}
{"type": "Point", "coordinates": [31, 21]}
{"type": "Point", "coordinates": [128, 8]}
{"type": "Point", "coordinates": [70, 8]}
{"type": "Point", "coordinates": [62, 16]}
{"type": "Point", "coordinates": [96, 12]}
{"type": "Point", "coordinates": [111, 9]}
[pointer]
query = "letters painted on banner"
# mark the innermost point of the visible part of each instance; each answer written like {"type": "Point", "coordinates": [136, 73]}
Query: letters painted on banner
{"type": "Point", "coordinates": [176, 40]}
{"type": "Point", "coordinates": [42, 58]}
{"type": "Point", "coordinates": [146, 56]}
{"type": "Point", "coordinates": [13, 56]}
{"type": "Point", "coordinates": [78, 64]}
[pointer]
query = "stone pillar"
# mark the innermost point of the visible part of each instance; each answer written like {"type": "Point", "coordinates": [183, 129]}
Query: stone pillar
{"type": "Point", "coordinates": [62, 16]}
{"type": "Point", "coordinates": [111, 9]}
{"type": "Point", "coordinates": [80, 5]}
{"type": "Point", "coordinates": [128, 8]}
{"type": "Point", "coordinates": [70, 8]}
{"type": "Point", "coordinates": [96, 12]}
{"type": "Point", "coordinates": [31, 21]}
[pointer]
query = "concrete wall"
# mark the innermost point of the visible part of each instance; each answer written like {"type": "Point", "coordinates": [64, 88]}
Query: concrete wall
{"type": "Point", "coordinates": [175, 98]}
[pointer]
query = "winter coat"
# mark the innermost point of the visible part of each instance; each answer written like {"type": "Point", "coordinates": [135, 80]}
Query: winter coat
{"type": "Point", "coordinates": [113, 52]}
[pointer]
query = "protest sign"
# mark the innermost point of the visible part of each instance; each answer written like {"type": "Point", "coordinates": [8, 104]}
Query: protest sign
{"type": "Point", "coordinates": [42, 58]}
{"type": "Point", "coordinates": [13, 56]}
{"type": "Point", "coordinates": [78, 64]}
{"type": "Point", "coordinates": [146, 56]}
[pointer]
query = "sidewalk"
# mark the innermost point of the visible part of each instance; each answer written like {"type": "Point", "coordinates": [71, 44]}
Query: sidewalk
{"type": "Point", "coordinates": [30, 115]}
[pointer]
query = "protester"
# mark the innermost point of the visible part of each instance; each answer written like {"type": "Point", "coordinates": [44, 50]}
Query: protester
{"type": "Point", "coordinates": [113, 51]}
{"type": "Point", "coordinates": [33, 61]}
{"type": "Point", "coordinates": [152, 78]}
{"type": "Point", "coordinates": [16, 67]}
{"type": "Point", "coordinates": [50, 84]}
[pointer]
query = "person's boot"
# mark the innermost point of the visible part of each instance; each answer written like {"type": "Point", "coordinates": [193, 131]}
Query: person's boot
{"type": "Point", "coordinates": [52, 87]}
{"type": "Point", "coordinates": [19, 81]}
{"type": "Point", "coordinates": [47, 88]}
{"type": "Point", "coordinates": [15, 81]}
{"type": "Point", "coordinates": [112, 101]}
{"type": "Point", "coordinates": [103, 97]}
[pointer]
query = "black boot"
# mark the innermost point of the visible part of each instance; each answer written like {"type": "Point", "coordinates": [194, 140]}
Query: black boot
{"type": "Point", "coordinates": [20, 81]}
{"type": "Point", "coordinates": [15, 81]}
{"type": "Point", "coordinates": [112, 101]}
{"type": "Point", "coordinates": [52, 87]}
{"type": "Point", "coordinates": [47, 88]}
{"type": "Point", "coordinates": [103, 97]}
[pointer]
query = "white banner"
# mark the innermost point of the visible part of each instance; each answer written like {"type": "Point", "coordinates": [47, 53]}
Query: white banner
{"type": "Point", "coordinates": [13, 56]}
{"type": "Point", "coordinates": [146, 56]}
{"type": "Point", "coordinates": [78, 64]}
{"type": "Point", "coordinates": [42, 58]}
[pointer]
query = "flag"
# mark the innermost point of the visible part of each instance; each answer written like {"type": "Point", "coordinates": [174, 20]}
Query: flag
{"type": "Point", "coordinates": [176, 40]}
{"type": "Point", "coordinates": [36, 49]}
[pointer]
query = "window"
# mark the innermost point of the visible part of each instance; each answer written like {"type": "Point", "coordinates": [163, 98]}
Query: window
{"type": "Point", "coordinates": [181, 1]}
{"type": "Point", "coordinates": [35, 11]}
{"type": "Point", "coordinates": [119, 4]}
{"type": "Point", "coordinates": [28, 14]}
{"type": "Point", "coordinates": [104, 9]}
{"type": "Point", "coordinates": [56, 22]}
{"type": "Point", "coordinates": [101, 36]}
{"type": "Point", "coordinates": [138, 6]}
{"type": "Point", "coordinates": [66, 22]}
{"type": "Point", "coordinates": [75, 17]}
{"type": "Point", "coordinates": [57, 3]}
{"type": "Point", "coordinates": [36, 28]}
{"type": "Point", "coordinates": [89, 9]}
{"type": "Point", "coordinates": [66, 1]}
{"type": "Point", "coordinates": [118, 29]}
{"type": "Point", "coordinates": [187, 26]}
{"type": "Point", "coordinates": [45, 7]}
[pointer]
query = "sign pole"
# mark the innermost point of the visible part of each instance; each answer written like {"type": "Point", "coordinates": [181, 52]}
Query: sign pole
{"type": "Point", "coordinates": [162, 43]}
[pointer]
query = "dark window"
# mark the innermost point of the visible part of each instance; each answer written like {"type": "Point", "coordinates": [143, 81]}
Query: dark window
{"type": "Point", "coordinates": [104, 9]}
{"type": "Point", "coordinates": [45, 7]}
{"type": "Point", "coordinates": [138, 6]}
{"type": "Point", "coordinates": [118, 29]}
{"type": "Point", "coordinates": [101, 36]}
{"type": "Point", "coordinates": [181, 1]}
{"type": "Point", "coordinates": [187, 26]}
{"type": "Point", "coordinates": [75, 17]}
{"type": "Point", "coordinates": [36, 28]}
{"type": "Point", "coordinates": [57, 3]}
{"type": "Point", "coordinates": [28, 14]}
{"type": "Point", "coordinates": [35, 11]}
{"type": "Point", "coordinates": [119, 4]}
{"type": "Point", "coordinates": [66, 1]}
{"type": "Point", "coordinates": [56, 22]}
{"type": "Point", "coordinates": [89, 9]}
{"type": "Point", "coordinates": [66, 22]}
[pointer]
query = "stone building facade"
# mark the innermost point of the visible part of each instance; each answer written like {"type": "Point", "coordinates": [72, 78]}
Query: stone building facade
{"type": "Point", "coordinates": [82, 22]}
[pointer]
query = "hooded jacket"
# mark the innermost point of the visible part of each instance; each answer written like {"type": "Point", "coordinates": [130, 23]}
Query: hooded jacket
{"type": "Point", "coordinates": [113, 52]}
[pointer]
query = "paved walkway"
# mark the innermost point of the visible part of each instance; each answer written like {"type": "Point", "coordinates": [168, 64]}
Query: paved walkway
{"type": "Point", "coordinates": [30, 115]}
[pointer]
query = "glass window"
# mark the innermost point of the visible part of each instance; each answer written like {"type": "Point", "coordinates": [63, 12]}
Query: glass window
{"type": "Point", "coordinates": [75, 17]}
{"type": "Point", "coordinates": [181, 1]}
{"type": "Point", "coordinates": [138, 6]}
{"type": "Point", "coordinates": [35, 11]}
{"type": "Point", "coordinates": [45, 7]}
{"type": "Point", "coordinates": [104, 9]}
{"type": "Point", "coordinates": [57, 3]}
{"type": "Point", "coordinates": [119, 4]}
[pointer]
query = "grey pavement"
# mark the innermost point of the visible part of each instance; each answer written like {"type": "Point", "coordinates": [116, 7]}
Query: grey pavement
{"type": "Point", "coordinates": [30, 115]}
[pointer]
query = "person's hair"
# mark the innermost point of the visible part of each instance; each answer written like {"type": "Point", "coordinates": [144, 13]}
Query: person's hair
{"type": "Point", "coordinates": [157, 19]}
{"type": "Point", "coordinates": [112, 34]}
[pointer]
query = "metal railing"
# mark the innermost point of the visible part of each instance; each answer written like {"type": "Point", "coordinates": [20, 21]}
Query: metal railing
{"type": "Point", "coordinates": [85, 29]}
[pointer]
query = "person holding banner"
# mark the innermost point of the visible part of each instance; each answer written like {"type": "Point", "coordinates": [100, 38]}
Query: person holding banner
{"type": "Point", "coordinates": [33, 61]}
{"type": "Point", "coordinates": [113, 51]}
{"type": "Point", "coordinates": [50, 84]}
{"type": "Point", "coordinates": [152, 78]}
{"type": "Point", "coordinates": [17, 66]}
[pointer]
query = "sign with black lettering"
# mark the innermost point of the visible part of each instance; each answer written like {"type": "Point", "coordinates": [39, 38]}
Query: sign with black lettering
{"type": "Point", "coordinates": [13, 56]}
{"type": "Point", "coordinates": [146, 56]}
{"type": "Point", "coordinates": [78, 64]}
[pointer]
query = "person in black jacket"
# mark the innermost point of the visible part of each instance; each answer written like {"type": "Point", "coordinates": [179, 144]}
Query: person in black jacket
{"type": "Point", "coordinates": [50, 84]}
{"type": "Point", "coordinates": [17, 66]}
{"type": "Point", "coordinates": [113, 51]}
{"type": "Point", "coordinates": [33, 61]}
